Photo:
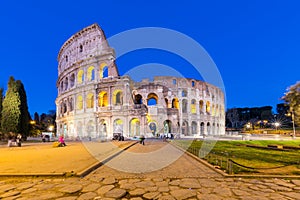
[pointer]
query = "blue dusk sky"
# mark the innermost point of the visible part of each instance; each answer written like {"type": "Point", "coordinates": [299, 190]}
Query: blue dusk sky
{"type": "Point", "coordinates": [254, 44]}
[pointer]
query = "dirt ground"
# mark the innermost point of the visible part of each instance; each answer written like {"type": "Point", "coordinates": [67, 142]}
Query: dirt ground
{"type": "Point", "coordinates": [42, 158]}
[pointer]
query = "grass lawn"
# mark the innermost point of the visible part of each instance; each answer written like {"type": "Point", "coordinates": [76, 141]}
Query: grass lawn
{"type": "Point", "coordinates": [265, 161]}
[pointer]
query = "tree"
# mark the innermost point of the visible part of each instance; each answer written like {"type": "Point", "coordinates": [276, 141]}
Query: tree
{"type": "Point", "coordinates": [25, 118]}
{"type": "Point", "coordinates": [11, 108]}
{"type": "Point", "coordinates": [292, 98]}
{"type": "Point", "coordinates": [15, 115]}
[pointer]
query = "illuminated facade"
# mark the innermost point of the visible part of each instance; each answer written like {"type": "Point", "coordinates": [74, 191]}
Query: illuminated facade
{"type": "Point", "coordinates": [94, 101]}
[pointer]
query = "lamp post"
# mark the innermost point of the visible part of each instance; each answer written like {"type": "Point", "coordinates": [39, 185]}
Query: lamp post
{"type": "Point", "coordinates": [293, 121]}
{"type": "Point", "coordinates": [276, 125]}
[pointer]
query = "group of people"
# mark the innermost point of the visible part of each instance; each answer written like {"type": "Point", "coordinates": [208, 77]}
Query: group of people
{"type": "Point", "coordinates": [14, 139]}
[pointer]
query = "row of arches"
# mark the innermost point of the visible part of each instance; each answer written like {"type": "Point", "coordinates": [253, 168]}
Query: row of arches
{"type": "Point", "coordinates": [103, 100]}
{"type": "Point", "coordinates": [89, 102]}
{"type": "Point", "coordinates": [134, 128]}
{"type": "Point", "coordinates": [82, 75]}
{"type": "Point", "coordinates": [204, 107]}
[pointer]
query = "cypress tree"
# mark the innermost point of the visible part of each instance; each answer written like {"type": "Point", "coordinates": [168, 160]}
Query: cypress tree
{"type": "Point", "coordinates": [24, 127]}
{"type": "Point", "coordinates": [11, 108]}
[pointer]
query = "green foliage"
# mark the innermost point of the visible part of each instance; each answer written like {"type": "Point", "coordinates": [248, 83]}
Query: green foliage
{"type": "Point", "coordinates": [23, 125]}
{"type": "Point", "coordinates": [292, 98]}
{"type": "Point", "coordinates": [15, 115]}
{"type": "Point", "coordinates": [244, 155]}
{"type": "Point", "coordinates": [10, 111]}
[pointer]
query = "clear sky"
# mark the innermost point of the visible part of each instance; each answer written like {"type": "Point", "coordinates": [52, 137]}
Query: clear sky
{"type": "Point", "coordinates": [254, 43]}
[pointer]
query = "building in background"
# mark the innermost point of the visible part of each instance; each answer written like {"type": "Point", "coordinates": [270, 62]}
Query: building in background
{"type": "Point", "coordinates": [94, 101]}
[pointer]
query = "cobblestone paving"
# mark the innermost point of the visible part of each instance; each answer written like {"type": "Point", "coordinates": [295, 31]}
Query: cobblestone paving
{"type": "Point", "coordinates": [185, 178]}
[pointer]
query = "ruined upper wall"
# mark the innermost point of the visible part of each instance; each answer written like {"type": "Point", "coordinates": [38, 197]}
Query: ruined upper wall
{"type": "Point", "coordinates": [84, 44]}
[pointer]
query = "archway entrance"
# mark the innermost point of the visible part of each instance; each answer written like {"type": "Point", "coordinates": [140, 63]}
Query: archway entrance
{"type": "Point", "coordinates": [194, 128]}
{"type": "Point", "coordinates": [102, 129]}
{"type": "Point", "coordinates": [134, 126]}
{"type": "Point", "coordinates": [118, 126]}
{"type": "Point", "coordinates": [208, 128]}
{"type": "Point", "coordinates": [185, 128]}
{"type": "Point", "coordinates": [202, 128]}
{"type": "Point", "coordinates": [167, 126]}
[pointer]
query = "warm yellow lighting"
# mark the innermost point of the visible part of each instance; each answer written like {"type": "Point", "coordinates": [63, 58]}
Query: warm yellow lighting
{"type": "Point", "coordinates": [51, 128]}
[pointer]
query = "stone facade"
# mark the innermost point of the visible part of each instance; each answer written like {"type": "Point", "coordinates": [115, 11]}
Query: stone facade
{"type": "Point", "coordinates": [94, 101]}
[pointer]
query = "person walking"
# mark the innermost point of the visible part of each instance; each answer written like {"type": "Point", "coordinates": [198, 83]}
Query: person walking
{"type": "Point", "coordinates": [142, 140]}
{"type": "Point", "coordinates": [61, 141]}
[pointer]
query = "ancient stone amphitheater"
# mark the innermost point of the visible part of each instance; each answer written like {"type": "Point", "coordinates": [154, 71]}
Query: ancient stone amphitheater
{"type": "Point", "coordinates": [95, 102]}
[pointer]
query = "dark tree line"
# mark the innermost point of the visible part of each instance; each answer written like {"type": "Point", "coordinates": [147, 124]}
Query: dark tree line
{"type": "Point", "coordinates": [14, 115]}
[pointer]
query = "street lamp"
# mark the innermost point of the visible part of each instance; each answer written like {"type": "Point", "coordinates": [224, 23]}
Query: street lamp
{"type": "Point", "coordinates": [276, 125]}
{"type": "Point", "coordinates": [293, 121]}
{"type": "Point", "coordinates": [51, 128]}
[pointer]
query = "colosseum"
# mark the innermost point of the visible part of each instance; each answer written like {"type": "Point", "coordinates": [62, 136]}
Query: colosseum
{"type": "Point", "coordinates": [95, 102]}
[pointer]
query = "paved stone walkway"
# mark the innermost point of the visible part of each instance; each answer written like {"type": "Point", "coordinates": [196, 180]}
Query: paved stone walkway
{"type": "Point", "coordinates": [185, 178]}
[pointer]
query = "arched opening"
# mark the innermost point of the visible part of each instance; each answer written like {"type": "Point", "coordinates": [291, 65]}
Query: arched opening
{"type": "Point", "coordinates": [152, 99]}
{"type": "Point", "coordinates": [208, 107]}
{"type": "Point", "coordinates": [90, 100]}
{"type": "Point", "coordinates": [71, 104]}
{"type": "Point", "coordinates": [193, 106]}
{"type": "Point", "coordinates": [167, 126]}
{"type": "Point", "coordinates": [72, 80]}
{"type": "Point", "coordinates": [91, 73]}
{"type": "Point", "coordinates": [202, 128]}
{"type": "Point", "coordinates": [80, 76]}
{"type": "Point", "coordinates": [194, 127]}
{"type": "Point", "coordinates": [62, 86]}
{"type": "Point", "coordinates": [118, 126]}
{"type": "Point", "coordinates": [213, 110]}
{"type": "Point", "coordinates": [80, 48]}
{"type": "Point", "coordinates": [63, 107]}
{"type": "Point", "coordinates": [184, 93]}
{"type": "Point", "coordinates": [213, 129]}
{"type": "Point", "coordinates": [134, 126]}
{"type": "Point", "coordinates": [184, 106]}
{"type": "Point", "coordinates": [201, 104]}
{"type": "Point", "coordinates": [193, 83]}
{"type": "Point", "coordinates": [208, 128]}
{"type": "Point", "coordinates": [138, 99]}
{"type": "Point", "coordinates": [79, 102]}
{"type": "Point", "coordinates": [117, 97]}
{"type": "Point", "coordinates": [175, 103]}
{"type": "Point", "coordinates": [167, 102]}
{"type": "Point", "coordinates": [185, 128]}
{"type": "Point", "coordinates": [103, 128]}
{"type": "Point", "coordinates": [103, 72]}
{"type": "Point", "coordinates": [102, 99]}
{"type": "Point", "coordinates": [66, 83]}
{"type": "Point", "coordinates": [153, 127]}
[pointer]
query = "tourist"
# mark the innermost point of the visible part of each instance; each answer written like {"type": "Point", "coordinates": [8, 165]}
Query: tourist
{"type": "Point", "coordinates": [10, 138]}
{"type": "Point", "coordinates": [61, 141]}
{"type": "Point", "coordinates": [19, 139]}
{"type": "Point", "coordinates": [142, 139]}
